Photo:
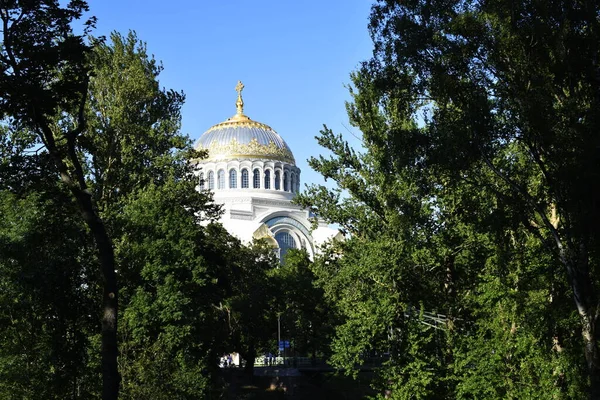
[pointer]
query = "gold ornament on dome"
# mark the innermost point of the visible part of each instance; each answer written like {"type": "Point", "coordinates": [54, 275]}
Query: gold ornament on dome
{"type": "Point", "coordinates": [240, 123]}
{"type": "Point", "coordinates": [240, 120]}
{"type": "Point", "coordinates": [239, 106]}
{"type": "Point", "coordinates": [253, 149]}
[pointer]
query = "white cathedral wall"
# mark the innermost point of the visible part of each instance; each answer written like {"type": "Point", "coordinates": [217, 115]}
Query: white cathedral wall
{"type": "Point", "coordinates": [246, 209]}
{"type": "Point", "coordinates": [292, 172]}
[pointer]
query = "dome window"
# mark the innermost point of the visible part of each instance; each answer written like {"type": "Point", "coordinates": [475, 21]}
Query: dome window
{"type": "Point", "coordinates": [232, 179]}
{"type": "Point", "coordinates": [221, 179]}
{"type": "Point", "coordinates": [268, 179]}
{"type": "Point", "coordinates": [201, 180]}
{"type": "Point", "coordinates": [285, 182]}
{"type": "Point", "coordinates": [256, 179]}
{"type": "Point", "coordinates": [277, 180]}
{"type": "Point", "coordinates": [211, 180]}
{"type": "Point", "coordinates": [245, 182]}
{"type": "Point", "coordinates": [292, 181]}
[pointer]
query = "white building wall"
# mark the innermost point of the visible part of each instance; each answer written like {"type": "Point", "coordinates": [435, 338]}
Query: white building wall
{"type": "Point", "coordinates": [246, 209]}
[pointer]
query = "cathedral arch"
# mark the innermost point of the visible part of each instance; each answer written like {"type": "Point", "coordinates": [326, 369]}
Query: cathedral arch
{"type": "Point", "coordinates": [279, 222]}
{"type": "Point", "coordinates": [286, 241]}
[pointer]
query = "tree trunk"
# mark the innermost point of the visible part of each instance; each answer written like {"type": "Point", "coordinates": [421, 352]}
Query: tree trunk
{"type": "Point", "coordinates": [63, 147]}
{"type": "Point", "coordinates": [592, 358]}
{"type": "Point", "coordinates": [110, 373]}
{"type": "Point", "coordinates": [313, 359]}
{"type": "Point", "coordinates": [450, 291]}
{"type": "Point", "coordinates": [74, 178]}
{"type": "Point", "coordinates": [586, 303]}
{"type": "Point", "coordinates": [250, 357]}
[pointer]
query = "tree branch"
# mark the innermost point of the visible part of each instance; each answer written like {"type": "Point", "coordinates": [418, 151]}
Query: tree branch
{"type": "Point", "coordinates": [529, 200]}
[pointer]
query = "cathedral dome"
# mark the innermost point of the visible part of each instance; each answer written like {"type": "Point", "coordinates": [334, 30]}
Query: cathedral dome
{"type": "Point", "coordinates": [239, 137]}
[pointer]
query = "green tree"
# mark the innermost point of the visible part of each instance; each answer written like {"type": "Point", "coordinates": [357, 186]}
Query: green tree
{"type": "Point", "coordinates": [48, 281]}
{"type": "Point", "coordinates": [133, 125]}
{"type": "Point", "coordinates": [169, 320]}
{"type": "Point", "coordinates": [169, 264]}
{"type": "Point", "coordinates": [248, 312]}
{"type": "Point", "coordinates": [43, 81]}
{"type": "Point", "coordinates": [115, 141]}
{"type": "Point", "coordinates": [475, 198]}
{"type": "Point", "coordinates": [305, 315]}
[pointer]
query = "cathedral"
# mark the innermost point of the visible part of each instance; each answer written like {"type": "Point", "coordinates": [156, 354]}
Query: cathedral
{"type": "Point", "coordinates": [253, 174]}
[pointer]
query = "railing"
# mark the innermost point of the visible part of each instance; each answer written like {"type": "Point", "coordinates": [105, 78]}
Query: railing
{"type": "Point", "coordinates": [263, 361]}
{"type": "Point", "coordinates": [308, 362]}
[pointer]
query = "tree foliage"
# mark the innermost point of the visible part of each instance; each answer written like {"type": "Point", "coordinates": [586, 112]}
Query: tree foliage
{"type": "Point", "coordinates": [48, 294]}
{"type": "Point", "coordinates": [306, 318]}
{"type": "Point", "coordinates": [145, 188]}
{"type": "Point", "coordinates": [248, 310]}
{"type": "Point", "coordinates": [170, 261]}
{"type": "Point", "coordinates": [473, 206]}
{"type": "Point", "coordinates": [44, 79]}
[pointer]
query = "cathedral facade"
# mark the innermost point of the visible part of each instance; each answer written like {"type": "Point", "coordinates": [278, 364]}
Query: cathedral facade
{"type": "Point", "coordinates": [253, 174]}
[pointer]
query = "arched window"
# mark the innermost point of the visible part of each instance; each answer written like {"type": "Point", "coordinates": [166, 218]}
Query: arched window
{"type": "Point", "coordinates": [292, 181]}
{"type": "Point", "coordinates": [285, 181]}
{"type": "Point", "coordinates": [232, 179]}
{"type": "Point", "coordinates": [221, 179]}
{"type": "Point", "coordinates": [268, 179]}
{"type": "Point", "coordinates": [201, 180]}
{"type": "Point", "coordinates": [256, 179]}
{"type": "Point", "coordinates": [277, 180]}
{"type": "Point", "coordinates": [285, 242]}
{"type": "Point", "coordinates": [245, 182]}
{"type": "Point", "coordinates": [211, 180]}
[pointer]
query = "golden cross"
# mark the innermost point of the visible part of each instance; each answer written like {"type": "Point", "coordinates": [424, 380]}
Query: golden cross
{"type": "Point", "coordinates": [239, 103]}
{"type": "Point", "coordinates": [239, 87]}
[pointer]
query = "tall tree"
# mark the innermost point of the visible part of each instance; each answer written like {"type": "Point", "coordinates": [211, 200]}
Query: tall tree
{"type": "Point", "coordinates": [479, 123]}
{"type": "Point", "coordinates": [44, 81]}
{"type": "Point", "coordinates": [145, 189]}
{"type": "Point", "coordinates": [171, 268]}
{"type": "Point", "coordinates": [515, 87]}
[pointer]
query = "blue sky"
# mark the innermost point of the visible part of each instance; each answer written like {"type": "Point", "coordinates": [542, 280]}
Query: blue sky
{"type": "Point", "coordinates": [293, 57]}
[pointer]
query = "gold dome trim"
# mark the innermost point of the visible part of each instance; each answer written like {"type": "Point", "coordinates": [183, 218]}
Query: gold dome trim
{"type": "Point", "coordinates": [240, 121]}
{"type": "Point", "coordinates": [253, 149]}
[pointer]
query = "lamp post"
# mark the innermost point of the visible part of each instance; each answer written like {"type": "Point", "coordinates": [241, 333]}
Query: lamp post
{"type": "Point", "coordinates": [278, 331]}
